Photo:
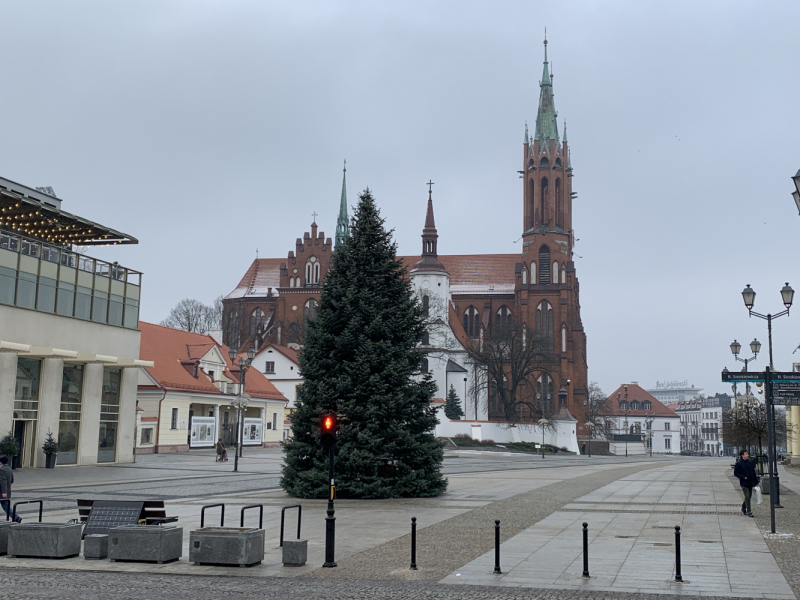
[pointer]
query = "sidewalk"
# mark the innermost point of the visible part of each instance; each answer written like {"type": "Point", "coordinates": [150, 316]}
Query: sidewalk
{"type": "Point", "coordinates": [631, 542]}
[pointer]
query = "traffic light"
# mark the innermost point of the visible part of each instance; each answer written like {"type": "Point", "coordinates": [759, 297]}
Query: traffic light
{"type": "Point", "coordinates": [328, 427]}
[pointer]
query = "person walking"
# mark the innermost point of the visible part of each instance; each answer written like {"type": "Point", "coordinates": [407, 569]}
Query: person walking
{"type": "Point", "coordinates": [6, 479]}
{"type": "Point", "coordinates": [745, 471]}
{"type": "Point", "coordinates": [222, 453]}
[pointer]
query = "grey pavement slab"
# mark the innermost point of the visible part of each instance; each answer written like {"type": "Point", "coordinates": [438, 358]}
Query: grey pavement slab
{"type": "Point", "coordinates": [723, 553]}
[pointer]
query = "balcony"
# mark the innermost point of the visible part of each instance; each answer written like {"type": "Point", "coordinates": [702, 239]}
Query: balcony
{"type": "Point", "coordinates": [52, 279]}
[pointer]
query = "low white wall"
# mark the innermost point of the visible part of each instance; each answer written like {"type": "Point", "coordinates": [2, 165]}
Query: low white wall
{"type": "Point", "coordinates": [502, 433]}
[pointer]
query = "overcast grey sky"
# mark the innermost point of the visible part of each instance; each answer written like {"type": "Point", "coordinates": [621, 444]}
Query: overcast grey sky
{"type": "Point", "coordinates": [210, 129]}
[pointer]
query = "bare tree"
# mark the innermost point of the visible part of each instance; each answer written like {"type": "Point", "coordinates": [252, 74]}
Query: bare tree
{"type": "Point", "coordinates": [597, 412]}
{"type": "Point", "coordinates": [745, 425]}
{"type": "Point", "coordinates": [191, 315]}
{"type": "Point", "coordinates": [518, 368]}
{"type": "Point", "coordinates": [214, 318]}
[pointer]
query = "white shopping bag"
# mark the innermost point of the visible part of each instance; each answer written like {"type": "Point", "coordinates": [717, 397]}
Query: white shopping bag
{"type": "Point", "coordinates": [759, 496]}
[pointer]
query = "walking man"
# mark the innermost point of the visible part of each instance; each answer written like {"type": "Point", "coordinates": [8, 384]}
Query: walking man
{"type": "Point", "coordinates": [6, 479]}
{"type": "Point", "coordinates": [748, 479]}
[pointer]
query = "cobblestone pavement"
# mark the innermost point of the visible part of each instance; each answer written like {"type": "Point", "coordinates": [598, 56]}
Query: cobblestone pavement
{"type": "Point", "coordinates": [70, 585]}
{"type": "Point", "coordinates": [785, 545]}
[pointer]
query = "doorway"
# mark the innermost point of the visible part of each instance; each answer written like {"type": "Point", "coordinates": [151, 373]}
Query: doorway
{"type": "Point", "coordinates": [25, 436]}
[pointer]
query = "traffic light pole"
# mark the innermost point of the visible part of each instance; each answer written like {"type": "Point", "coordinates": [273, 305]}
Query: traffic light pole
{"type": "Point", "coordinates": [330, 520]}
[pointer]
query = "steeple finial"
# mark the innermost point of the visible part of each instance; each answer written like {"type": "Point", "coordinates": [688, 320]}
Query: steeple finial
{"type": "Point", "coordinates": [526, 132]}
{"type": "Point", "coordinates": [546, 124]}
{"type": "Point", "coordinates": [342, 222]}
{"type": "Point", "coordinates": [565, 130]}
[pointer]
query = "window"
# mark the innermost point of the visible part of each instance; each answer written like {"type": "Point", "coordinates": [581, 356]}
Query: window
{"type": "Point", "coordinates": [544, 394]}
{"type": "Point", "coordinates": [70, 414]}
{"type": "Point", "coordinates": [666, 426]}
{"type": "Point", "coordinates": [623, 405]}
{"type": "Point", "coordinates": [555, 271]}
{"type": "Point", "coordinates": [269, 366]}
{"type": "Point", "coordinates": [316, 273]}
{"type": "Point", "coordinates": [424, 366]}
{"type": "Point", "coordinates": [310, 309]}
{"type": "Point", "coordinates": [544, 162]}
{"type": "Point", "coordinates": [425, 305]}
{"type": "Point", "coordinates": [308, 273]}
{"type": "Point", "coordinates": [274, 420]}
{"type": "Point", "coordinates": [544, 324]}
{"type": "Point", "coordinates": [426, 339]}
{"type": "Point", "coordinates": [173, 424]}
{"type": "Point", "coordinates": [563, 274]}
{"type": "Point", "coordinates": [563, 338]}
{"type": "Point", "coordinates": [545, 215]}
{"type": "Point", "coordinates": [232, 330]}
{"type": "Point", "coordinates": [524, 276]}
{"type": "Point", "coordinates": [635, 405]}
{"type": "Point", "coordinates": [503, 319]}
{"type": "Point", "coordinates": [559, 201]}
{"type": "Point", "coordinates": [544, 264]}
{"type": "Point", "coordinates": [668, 443]}
{"type": "Point", "coordinates": [646, 405]}
{"type": "Point", "coordinates": [257, 321]}
{"type": "Point", "coordinates": [472, 323]}
{"type": "Point", "coordinates": [147, 436]}
{"type": "Point", "coordinates": [109, 416]}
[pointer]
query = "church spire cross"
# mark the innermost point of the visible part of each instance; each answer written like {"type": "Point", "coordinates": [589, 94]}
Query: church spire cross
{"type": "Point", "coordinates": [546, 123]}
{"type": "Point", "coordinates": [315, 215]}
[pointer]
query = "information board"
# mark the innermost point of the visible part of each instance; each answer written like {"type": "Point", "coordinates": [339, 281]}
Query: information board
{"type": "Point", "coordinates": [203, 432]}
{"type": "Point", "coordinates": [106, 514]}
{"type": "Point", "coordinates": [253, 431]}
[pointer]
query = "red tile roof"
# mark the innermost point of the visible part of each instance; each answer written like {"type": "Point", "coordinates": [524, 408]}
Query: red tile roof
{"type": "Point", "coordinates": [635, 392]}
{"type": "Point", "coordinates": [289, 353]}
{"type": "Point", "coordinates": [477, 273]}
{"type": "Point", "coordinates": [167, 347]}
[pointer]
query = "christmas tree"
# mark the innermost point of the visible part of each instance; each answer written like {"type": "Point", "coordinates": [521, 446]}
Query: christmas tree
{"type": "Point", "coordinates": [452, 406]}
{"type": "Point", "coordinates": [360, 361]}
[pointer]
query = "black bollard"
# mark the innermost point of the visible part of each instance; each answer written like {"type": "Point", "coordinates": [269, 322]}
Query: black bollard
{"type": "Point", "coordinates": [497, 570]}
{"type": "Point", "coordinates": [413, 543]}
{"type": "Point", "coordinates": [585, 550]}
{"type": "Point", "coordinates": [678, 576]}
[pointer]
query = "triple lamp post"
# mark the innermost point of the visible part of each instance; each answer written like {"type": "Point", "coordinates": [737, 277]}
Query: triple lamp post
{"type": "Point", "coordinates": [240, 404]}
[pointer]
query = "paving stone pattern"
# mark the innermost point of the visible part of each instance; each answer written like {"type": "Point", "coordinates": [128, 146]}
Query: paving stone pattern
{"type": "Point", "coordinates": [449, 544]}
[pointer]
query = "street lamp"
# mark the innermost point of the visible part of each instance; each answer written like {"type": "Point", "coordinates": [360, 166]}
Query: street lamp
{"type": "Point", "coordinates": [241, 402]}
{"type": "Point", "coordinates": [787, 296]}
{"type": "Point", "coordinates": [543, 423]}
{"type": "Point", "coordinates": [649, 424]}
{"type": "Point", "coordinates": [796, 193]}
{"type": "Point", "coordinates": [589, 425]}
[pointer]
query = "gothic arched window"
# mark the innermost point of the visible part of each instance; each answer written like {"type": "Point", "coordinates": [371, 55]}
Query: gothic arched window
{"type": "Point", "coordinates": [233, 333]}
{"type": "Point", "coordinates": [310, 309]}
{"type": "Point", "coordinates": [545, 216]}
{"type": "Point", "coordinates": [257, 321]}
{"type": "Point", "coordinates": [555, 271]}
{"type": "Point", "coordinates": [544, 264]}
{"type": "Point", "coordinates": [316, 272]}
{"type": "Point", "coordinates": [563, 338]}
{"type": "Point", "coordinates": [524, 276]}
{"type": "Point", "coordinates": [545, 394]}
{"type": "Point", "coordinates": [472, 323]}
{"type": "Point", "coordinates": [503, 319]}
{"type": "Point", "coordinates": [544, 324]}
{"type": "Point", "coordinates": [544, 162]}
{"type": "Point", "coordinates": [563, 274]}
{"type": "Point", "coordinates": [426, 301]}
{"type": "Point", "coordinates": [534, 218]}
{"type": "Point", "coordinates": [559, 205]}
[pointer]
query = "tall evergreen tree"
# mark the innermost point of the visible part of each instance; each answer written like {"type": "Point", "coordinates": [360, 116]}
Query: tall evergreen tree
{"type": "Point", "coordinates": [360, 360]}
{"type": "Point", "coordinates": [452, 406]}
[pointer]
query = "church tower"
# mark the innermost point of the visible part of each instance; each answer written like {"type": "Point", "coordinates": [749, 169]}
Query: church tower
{"type": "Point", "coordinates": [547, 285]}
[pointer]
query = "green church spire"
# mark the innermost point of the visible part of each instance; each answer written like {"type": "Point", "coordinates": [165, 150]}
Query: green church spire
{"type": "Point", "coordinates": [343, 222]}
{"type": "Point", "coordinates": [546, 123]}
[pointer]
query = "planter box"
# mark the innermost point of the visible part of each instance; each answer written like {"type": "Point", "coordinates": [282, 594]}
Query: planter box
{"type": "Point", "coordinates": [50, 460]}
{"type": "Point", "coordinates": [95, 547]}
{"type": "Point", "coordinates": [145, 543]}
{"type": "Point", "coordinates": [5, 529]}
{"type": "Point", "coordinates": [45, 540]}
{"type": "Point", "coordinates": [241, 546]}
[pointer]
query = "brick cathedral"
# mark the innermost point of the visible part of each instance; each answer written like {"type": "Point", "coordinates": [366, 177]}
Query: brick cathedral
{"type": "Point", "coordinates": [538, 287]}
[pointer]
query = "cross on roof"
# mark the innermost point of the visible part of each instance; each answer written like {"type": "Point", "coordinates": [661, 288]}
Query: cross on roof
{"type": "Point", "coordinates": [314, 214]}
{"type": "Point", "coordinates": [429, 184]}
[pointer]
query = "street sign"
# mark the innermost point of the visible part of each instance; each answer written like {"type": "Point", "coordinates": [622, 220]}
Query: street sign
{"type": "Point", "coordinates": [728, 376]}
{"type": "Point", "coordinates": [790, 376]}
{"type": "Point", "coordinates": [794, 401]}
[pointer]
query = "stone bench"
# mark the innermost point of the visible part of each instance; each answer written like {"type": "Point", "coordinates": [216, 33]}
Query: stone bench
{"type": "Point", "coordinates": [95, 547]}
{"type": "Point", "coordinates": [45, 540]}
{"type": "Point", "coordinates": [145, 543]}
{"type": "Point", "coordinates": [243, 546]}
{"type": "Point", "coordinates": [5, 529]}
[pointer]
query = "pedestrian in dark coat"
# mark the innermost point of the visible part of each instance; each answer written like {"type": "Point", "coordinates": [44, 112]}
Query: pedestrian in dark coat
{"type": "Point", "coordinates": [748, 479]}
{"type": "Point", "coordinates": [6, 479]}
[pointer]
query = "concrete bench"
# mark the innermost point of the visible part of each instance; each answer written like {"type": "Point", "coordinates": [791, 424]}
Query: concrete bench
{"type": "Point", "coordinates": [145, 543]}
{"type": "Point", "coordinates": [243, 546]}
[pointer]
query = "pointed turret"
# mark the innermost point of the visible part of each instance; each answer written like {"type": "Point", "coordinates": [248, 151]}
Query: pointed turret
{"type": "Point", "coordinates": [526, 132]}
{"type": "Point", "coordinates": [546, 123]}
{"type": "Point", "coordinates": [430, 261]}
{"type": "Point", "coordinates": [343, 222]}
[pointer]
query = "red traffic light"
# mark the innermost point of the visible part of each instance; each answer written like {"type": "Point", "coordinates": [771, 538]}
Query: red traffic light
{"type": "Point", "coordinates": [328, 423]}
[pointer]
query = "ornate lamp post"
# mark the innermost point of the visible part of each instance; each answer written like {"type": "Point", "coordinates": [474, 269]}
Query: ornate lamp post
{"type": "Point", "coordinates": [649, 424]}
{"type": "Point", "coordinates": [241, 402]}
{"type": "Point", "coordinates": [787, 296]}
{"type": "Point", "coordinates": [543, 423]}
